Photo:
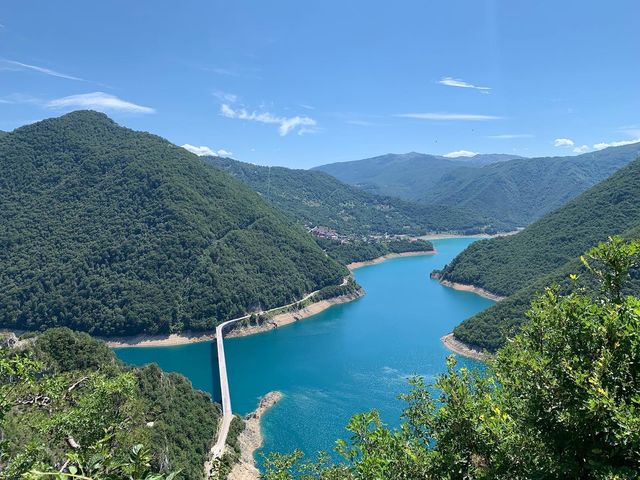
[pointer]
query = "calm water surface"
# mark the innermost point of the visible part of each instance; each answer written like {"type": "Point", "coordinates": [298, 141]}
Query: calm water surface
{"type": "Point", "coordinates": [350, 358]}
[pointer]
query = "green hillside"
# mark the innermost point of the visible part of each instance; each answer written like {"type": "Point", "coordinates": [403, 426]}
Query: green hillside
{"type": "Point", "coordinates": [505, 265]}
{"type": "Point", "coordinates": [114, 232]}
{"type": "Point", "coordinates": [521, 191]}
{"type": "Point", "coordinates": [316, 198]}
{"type": "Point", "coordinates": [513, 192]}
{"type": "Point", "coordinates": [71, 386]}
{"type": "Point", "coordinates": [490, 328]}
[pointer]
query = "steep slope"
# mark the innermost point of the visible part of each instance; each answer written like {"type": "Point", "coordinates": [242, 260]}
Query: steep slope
{"type": "Point", "coordinates": [505, 265]}
{"type": "Point", "coordinates": [521, 191]}
{"type": "Point", "coordinates": [118, 232]}
{"type": "Point", "coordinates": [316, 198]}
{"type": "Point", "coordinates": [490, 328]}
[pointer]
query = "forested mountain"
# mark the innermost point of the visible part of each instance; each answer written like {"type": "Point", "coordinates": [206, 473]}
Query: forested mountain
{"type": "Point", "coordinates": [64, 393]}
{"type": "Point", "coordinates": [505, 265]}
{"type": "Point", "coordinates": [113, 232]}
{"type": "Point", "coordinates": [316, 198]}
{"type": "Point", "coordinates": [406, 176]}
{"type": "Point", "coordinates": [544, 254]}
{"type": "Point", "coordinates": [490, 328]}
{"type": "Point", "coordinates": [514, 192]}
{"type": "Point", "coordinates": [521, 191]}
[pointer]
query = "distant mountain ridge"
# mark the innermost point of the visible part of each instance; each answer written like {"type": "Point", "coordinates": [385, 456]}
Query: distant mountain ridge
{"type": "Point", "coordinates": [512, 192]}
{"type": "Point", "coordinates": [404, 175]}
{"type": "Point", "coordinates": [315, 198]}
{"type": "Point", "coordinates": [118, 232]}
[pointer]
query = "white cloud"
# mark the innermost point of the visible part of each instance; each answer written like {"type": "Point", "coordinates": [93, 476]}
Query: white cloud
{"type": "Point", "coordinates": [563, 142]}
{"type": "Point", "coordinates": [582, 149]}
{"type": "Point", "coordinates": [448, 116]}
{"type": "Point", "coordinates": [20, 98]}
{"type": "Point", "coordinates": [46, 71]}
{"type": "Point", "coordinates": [204, 150]}
{"type": "Point", "coordinates": [456, 82]}
{"type": "Point", "coordinates": [460, 153]}
{"type": "Point", "coordinates": [98, 101]}
{"type": "Point", "coordinates": [286, 124]}
{"type": "Point", "coordinates": [200, 151]}
{"type": "Point", "coordinates": [600, 146]}
{"type": "Point", "coordinates": [507, 136]}
{"type": "Point", "coordinates": [308, 130]}
{"type": "Point", "coordinates": [225, 96]}
{"type": "Point", "coordinates": [308, 107]}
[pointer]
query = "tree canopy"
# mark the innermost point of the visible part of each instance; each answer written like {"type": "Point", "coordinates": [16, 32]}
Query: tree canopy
{"type": "Point", "coordinates": [64, 413]}
{"type": "Point", "coordinates": [117, 232]}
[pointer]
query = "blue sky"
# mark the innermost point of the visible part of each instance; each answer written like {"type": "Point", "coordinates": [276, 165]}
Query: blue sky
{"type": "Point", "coordinates": [300, 83]}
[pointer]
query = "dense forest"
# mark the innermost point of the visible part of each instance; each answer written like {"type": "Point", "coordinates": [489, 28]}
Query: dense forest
{"type": "Point", "coordinates": [114, 232]}
{"type": "Point", "coordinates": [361, 250]}
{"type": "Point", "coordinates": [513, 193]}
{"type": "Point", "coordinates": [560, 401]}
{"type": "Point", "coordinates": [490, 328]}
{"type": "Point", "coordinates": [315, 198]}
{"type": "Point", "coordinates": [67, 404]}
{"type": "Point", "coordinates": [507, 264]}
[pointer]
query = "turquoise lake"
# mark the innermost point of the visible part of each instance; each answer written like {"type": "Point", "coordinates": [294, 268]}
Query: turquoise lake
{"type": "Point", "coordinates": [348, 359]}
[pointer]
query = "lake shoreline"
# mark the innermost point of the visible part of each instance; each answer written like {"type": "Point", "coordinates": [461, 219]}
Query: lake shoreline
{"type": "Point", "coordinates": [251, 439]}
{"type": "Point", "coordinates": [282, 319]}
{"type": "Point", "coordinates": [464, 349]}
{"type": "Point", "coordinates": [463, 287]}
{"type": "Point", "coordinates": [389, 256]}
{"type": "Point", "coordinates": [444, 236]}
{"type": "Point", "coordinates": [287, 318]}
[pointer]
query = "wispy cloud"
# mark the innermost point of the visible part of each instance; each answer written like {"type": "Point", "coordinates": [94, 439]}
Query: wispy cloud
{"type": "Point", "coordinates": [460, 153]}
{"type": "Point", "coordinates": [582, 149]}
{"type": "Point", "coordinates": [44, 70]}
{"type": "Point", "coordinates": [307, 106]}
{"type": "Point", "coordinates": [631, 130]}
{"type": "Point", "coordinates": [285, 124]}
{"type": "Point", "coordinates": [225, 96]}
{"type": "Point", "coordinates": [563, 142]}
{"type": "Point", "coordinates": [228, 72]}
{"type": "Point", "coordinates": [204, 150]}
{"type": "Point", "coordinates": [98, 101]}
{"type": "Point", "coordinates": [449, 116]}
{"type": "Point", "coordinates": [601, 145]}
{"type": "Point", "coordinates": [234, 72]}
{"type": "Point", "coordinates": [20, 98]}
{"type": "Point", "coordinates": [509, 136]}
{"type": "Point", "coordinates": [456, 82]}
